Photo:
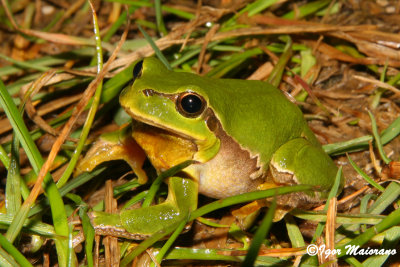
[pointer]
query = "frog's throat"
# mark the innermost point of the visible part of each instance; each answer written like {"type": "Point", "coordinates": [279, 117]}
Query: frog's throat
{"type": "Point", "coordinates": [206, 149]}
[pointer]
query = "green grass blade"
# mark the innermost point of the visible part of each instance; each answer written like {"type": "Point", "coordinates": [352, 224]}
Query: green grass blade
{"type": "Point", "coordinates": [159, 180]}
{"type": "Point", "coordinates": [234, 61]}
{"type": "Point", "coordinates": [88, 229]}
{"type": "Point", "coordinates": [356, 144]}
{"type": "Point", "coordinates": [147, 243]}
{"type": "Point", "coordinates": [247, 197]}
{"type": "Point", "coordinates": [334, 192]}
{"type": "Point", "coordinates": [340, 218]}
{"type": "Point", "coordinates": [117, 24]}
{"type": "Point", "coordinates": [56, 203]}
{"type": "Point", "coordinates": [377, 138]}
{"type": "Point", "coordinates": [393, 219]}
{"type": "Point", "coordinates": [192, 51]}
{"type": "Point", "coordinates": [30, 225]}
{"type": "Point", "coordinates": [155, 48]}
{"type": "Point", "coordinates": [392, 237]}
{"type": "Point", "coordinates": [365, 201]}
{"type": "Point", "coordinates": [89, 233]}
{"type": "Point", "coordinates": [68, 187]}
{"type": "Point", "coordinates": [391, 131]}
{"type": "Point", "coordinates": [179, 13]}
{"type": "Point", "coordinates": [294, 233]}
{"type": "Point", "coordinates": [4, 157]}
{"type": "Point", "coordinates": [14, 252]}
{"type": "Point", "coordinates": [308, 60]}
{"type": "Point", "coordinates": [92, 111]}
{"type": "Point", "coordinates": [6, 260]}
{"type": "Point", "coordinates": [24, 65]}
{"type": "Point", "coordinates": [259, 236]}
{"type": "Point", "coordinates": [276, 74]}
{"type": "Point", "coordinates": [169, 242]}
{"type": "Point", "coordinates": [365, 176]}
{"type": "Point", "coordinates": [307, 9]}
{"type": "Point", "coordinates": [386, 199]}
{"type": "Point", "coordinates": [13, 183]}
{"type": "Point", "coordinates": [251, 9]}
{"type": "Point", "coordinates": [137, 4]}
{"type": "Point", "coordinates": [20, 129]}
{"type": "Point", "coordinates": [159, 18]}
{"type": "Point", "coordinates": [258, 6]}
{"type": "Point", "coordinates": [183, 253]}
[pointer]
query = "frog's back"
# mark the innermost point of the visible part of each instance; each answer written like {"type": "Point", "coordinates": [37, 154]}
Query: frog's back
{"type": "Point", "coordinates": [258, 116]}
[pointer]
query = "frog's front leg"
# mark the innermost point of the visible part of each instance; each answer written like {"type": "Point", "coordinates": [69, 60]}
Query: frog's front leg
{"type": "Point", "coordinates": [117, 145]}
{"type": "Point", "coordinates": [143, 222]}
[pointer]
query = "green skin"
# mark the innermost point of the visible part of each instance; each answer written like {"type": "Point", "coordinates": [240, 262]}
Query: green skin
{"type": "Point", "coordinates": [256, 115]}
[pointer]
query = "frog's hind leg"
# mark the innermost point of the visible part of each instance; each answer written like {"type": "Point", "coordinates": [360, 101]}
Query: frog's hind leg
{"type": "Point", "coordinates": [301, 162]}
{"type": "Point", "coordinates": [181, 200]}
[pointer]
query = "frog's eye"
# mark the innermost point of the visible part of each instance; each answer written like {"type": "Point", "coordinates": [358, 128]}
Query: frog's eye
{"type": "Point", "coordinates": [137, 70]}
{"type": "Point", "coordinates": [190, 104]}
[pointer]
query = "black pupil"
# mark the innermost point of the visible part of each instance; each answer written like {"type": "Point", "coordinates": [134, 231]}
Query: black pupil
{"type": "Point", "coordinates": [137, 70]}
{"type": "Point", "coordinates": [191, 104]}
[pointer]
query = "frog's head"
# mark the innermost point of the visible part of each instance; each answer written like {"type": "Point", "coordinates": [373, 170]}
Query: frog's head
{"type": "Point", "coordinates": [174, 102]}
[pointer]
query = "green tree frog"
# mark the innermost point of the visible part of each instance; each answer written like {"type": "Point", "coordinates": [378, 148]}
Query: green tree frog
{"type": "Point", "coordinates": [242, 135]}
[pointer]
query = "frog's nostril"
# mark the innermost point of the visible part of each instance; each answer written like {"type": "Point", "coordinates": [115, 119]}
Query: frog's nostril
{"type": "Point", "coordinates": [148, 92]}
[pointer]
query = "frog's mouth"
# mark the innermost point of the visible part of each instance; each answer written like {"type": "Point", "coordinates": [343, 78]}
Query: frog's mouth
{"type": "Point", "coordinates": [148, 126]}
{"type": "Point", "coordinates": [158, 127]}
